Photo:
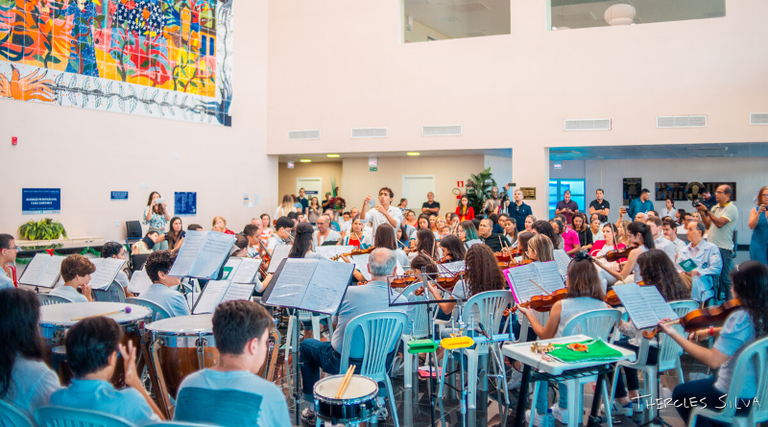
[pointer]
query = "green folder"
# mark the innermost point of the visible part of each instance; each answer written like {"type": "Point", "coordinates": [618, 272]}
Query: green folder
{"type": "Point", "coordinates": [598, 350]}
{"type": "Point", "coordinates": [688, 265]}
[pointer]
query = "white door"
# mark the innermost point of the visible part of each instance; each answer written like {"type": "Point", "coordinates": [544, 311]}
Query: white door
{"type": "Point", "coordinates": [415, 189]}
{"type": "Point", "coordinates": [312, 186]}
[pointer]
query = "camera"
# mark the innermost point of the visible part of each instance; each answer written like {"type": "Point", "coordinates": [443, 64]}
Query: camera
{"type": "Point", "coordinates": [696, 203]}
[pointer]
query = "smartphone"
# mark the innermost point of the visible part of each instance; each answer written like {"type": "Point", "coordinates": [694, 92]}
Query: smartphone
{"type": "Point", "coordinates": [159, 200]}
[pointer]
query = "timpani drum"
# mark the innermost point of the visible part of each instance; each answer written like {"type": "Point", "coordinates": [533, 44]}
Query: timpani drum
{"type": "Point", "coordinates": [182, 345]}
{"type": "Point", "coordinates": [356, 405]}
{"type": "Point", "coordinates": [56, 319]}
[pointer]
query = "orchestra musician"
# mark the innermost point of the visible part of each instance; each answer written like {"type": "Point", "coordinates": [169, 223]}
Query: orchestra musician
{"type": "Point", "coordinates": [453, 249]}
{"type": "Point", "coordinates": [640, 236]}
{"type": "Point", "coordinates": [282, 234]}
{"type": "Point", "coordinates": [76, 272]}
{"type": "Point", "coordinates": [8, 251]}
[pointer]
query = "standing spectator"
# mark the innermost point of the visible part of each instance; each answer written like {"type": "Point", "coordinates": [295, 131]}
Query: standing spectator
{"type": "Point", "coordinates": [721, 221]}
{"type": "Point", "coordinates": [567, 207]}
{"type": "Point", "coordinates": [758, 221]}
{"type": "Point", "coordinates": [519, 211]}
{"type": "Point", "coordinates": [506, 197]}
{"type": "Point", "coordinates": [313, 210]}
{"type": "Point", "coordinates": [156, 216]}
{"type": "Point", "coordinates": [297, 206]}
{"type": "Point", "coordinates": [303, 200]}
{"type": "Point", "coordinates": [600, 206]}
{"type": "Point", "coordinates": [266, 227]}
{"type": "Point", "coordinates": [640, 205]}
{"type": "Point", "coordinates": [430, 207]}
{"type": "Point", "coordinates": [669, 209]}
{"type": "Point", "coordinates": [403, 205]}
{"type": "Point", "coordinates": [327, 201]}
{"type": "Point", "coordinates": [285, 207]}
{"type": "Point", "coordinates": [464, 211]}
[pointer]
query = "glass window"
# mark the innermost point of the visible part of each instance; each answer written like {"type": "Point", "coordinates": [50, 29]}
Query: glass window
{"type": "Point", "coordinates": [572, 14]}
{"type": "Point", "coordinates": [557, 187]}
{"type": "Point", "coordinates": [433, 20]}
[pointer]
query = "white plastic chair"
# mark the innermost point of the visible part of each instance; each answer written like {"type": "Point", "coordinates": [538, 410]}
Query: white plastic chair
{"type": "Point", "coordinates": [56, 416]}
{"type": "Point", "coordinates": [419, 322]}
{"type": "Point", "coordinates": [381, 331]}
{"type": "Point", "coordinates": [490, 305]}
{"type": "Point", "coordinates": [756, 353]}
{"type": "Point", "coordinates": [46, 299]}
{"type": "Point", "coordinates": [113, 293]}
{"type": "Point", "coordinates": [158, 312]}
{"type": "Point", "coordinates": [304, 316]}
{"type": "Point", "coordinates": [12, 417]}
{"type": "Point", "coordinates": [595, 324]}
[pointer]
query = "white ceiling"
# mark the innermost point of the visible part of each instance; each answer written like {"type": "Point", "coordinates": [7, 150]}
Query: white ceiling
{"type": "Point", "coordinates": [321, 157]}
{"type": "Point", "coordinates": [590, 13]}
{"type": "Point", "coordinates": [677, 151]}
{"type": "Point", "coordinates": [462, 18]}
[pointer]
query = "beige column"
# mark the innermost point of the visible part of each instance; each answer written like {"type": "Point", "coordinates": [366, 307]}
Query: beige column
{"type": "Point", "coordinates": [530, 168]}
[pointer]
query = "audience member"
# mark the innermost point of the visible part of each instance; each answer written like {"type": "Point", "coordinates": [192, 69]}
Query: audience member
{"type": "Point", "coordinates": [600, 206]}
{"type": "Point", "coordinates": [519, 211]}
{"type": "Point", "coordinates": [464, 210]}
{"type": "Point", "coordinates": [596, 230]}
{"type": "Point", "coordinates": [156, 216]}
{"type": "Point", "coordinates": [487, 236]}
{"type": "Point", "coordinates": [163, 289]}
{"type": "Point", "coordinates": [303, 201]}
{"type": "Point", "coordinates": [220, 225]}
{"type": "Point", "coordinates": [8, 251]}
{"type": "Point", "coordinates": [657, 229]}
{"type": "Point", "coordinates": [707, 263]}
{"type": "Point", "coordinates": [640, 204]}
{"type": "Point", "coordinates": [568, 238]}
{"type": "Point", "coordinates": [430, 206]}
{"type": "Point", "coordinates": [175, 235]}
{"type": "Point", "coordinates": [567, 207]}
{"type": "Point", "coordinates": [147, 244]}
{"type": "Point", "coordinates": [285, 207]}
{"type": "Point", "coordinates": [324, 233]}
{"type": "Point", "coordinates": [582, 230]}
{"type": "Point", "coordinates": [670, 232]}
{"type": "Point", "coordinates": [758, 222]}
{"type": "Point", "coordinates": [720, 222]}
{"type": "Point", "coordinates": [195, 227]}
{"type": "Point", "coordinates": [313, 210]}
{"type": "Point", "coordinates": [266, 227]}
{"type": "Point", "coordinates": [76, 272]}
{"type": "Point", "coordinates": [669, 209]}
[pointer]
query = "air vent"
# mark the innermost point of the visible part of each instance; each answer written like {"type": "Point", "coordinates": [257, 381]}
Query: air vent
{"type": "Point", "coordinates": [758, 119]}
{"type": "Point", "coordinates": [369, 132]}
{"type": "Point", "coordinates": [675, 122]}
{"type": "Point", "coordinates": [450, 130]}
{"type": "Point", "coordinates": [295, 135]}
{"type": "Point", "coordinates": [587, 124]}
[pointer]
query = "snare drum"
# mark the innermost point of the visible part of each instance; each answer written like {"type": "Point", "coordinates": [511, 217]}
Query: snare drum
{"type": "Point", "coordinates": [56, 319]}
{"type": "Point", "coordinates": [185, 345]}
{"type": "Point", "coordinates": [356, 405]}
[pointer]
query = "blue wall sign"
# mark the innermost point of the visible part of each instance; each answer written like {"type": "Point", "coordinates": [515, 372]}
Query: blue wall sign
{"type": "Point", "coordinates": [185, 204]}
{"type": "Point", "coordinates": [40, 200]}
{"type": "Point", "coordinates": [118, 195]}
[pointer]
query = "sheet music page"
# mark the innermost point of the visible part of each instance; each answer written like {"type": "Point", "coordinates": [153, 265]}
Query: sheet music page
{"type": "Point", "coordinates": [361, 264]}
{"type": "Point", "coordinates": [642, 304]}
{"type": "Point", "coordinates": [454, 267]}
{"type": "Point", "coordinates": [139, 282]}
{"type": "Point", "coordinates": [51, 272]}
{"type": "Point", "coordinates": [212, 254]}
{"type": "Point", "coordinates": [327, 287]}
{"type": "Point", "coordinates": [519, 279]}
{"type": "Point", "coordinates": [34, 268]}
{"type": "Point", "coordinates": [106, 270]}
{"type": "Point", "coordinates": [290, 284]}
{"type": "Point", "coordinates": [246, 273]}
{"type": "Point", "coordinates": [562, 259]}
{"type": "Point", "coordinates": [212, 296]}
{"type": "Point", "coordinates": [656, 300]}
{"type": "Point", "coordinates": [238, 291]}
{"type": "Point", "coordinates": [551, 280]}
{"type": "Point", "coordinates": [280, 253]}
{"type": "Point", "coordinates": [193, 241]}
{"type": "Point", "coordinates": [230, 267]}
{"type": "Point", "coordinates": [329, 251]}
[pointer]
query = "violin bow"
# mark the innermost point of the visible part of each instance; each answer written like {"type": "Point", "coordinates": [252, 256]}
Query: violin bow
{"type": "Point", "coordinates": [438, 264]}
{"type": "Point", "coordinates": [542, 289]}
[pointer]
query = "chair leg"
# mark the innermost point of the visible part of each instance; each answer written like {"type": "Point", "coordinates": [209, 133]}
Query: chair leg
{"type": "Point", "coordinates": [574, 401]}
{"type": "Point", "coordinates": [679, 370]}
{"type": "Point", "coordinates": [288, 336]}
{"type": "Point", "coordinates": [316, 326]}
{"type": "Point", "coordinates": [392, 403]}
{"type": "Point", "coordinates": [444, 365]}
{"type": "Point", "coordinates": [407, 366]}
{"type": "Point", "coordinates": [607, 402]}
{"type": "Point", "coordinates": [473, 356]}
{"type": "Point", "coordinates": [484, 361]}
{"type": "Point", "coordinates": [533, 400]}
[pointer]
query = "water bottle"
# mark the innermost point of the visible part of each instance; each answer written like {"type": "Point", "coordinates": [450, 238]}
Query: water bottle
{"type": "Point", "coordinates": [549, 419]}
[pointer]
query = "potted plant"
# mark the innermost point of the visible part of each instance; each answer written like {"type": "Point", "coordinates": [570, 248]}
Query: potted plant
{"type": "Point", "coordinates": [45, 229]}
{"type": "Point", "coordinates": [479, 189]}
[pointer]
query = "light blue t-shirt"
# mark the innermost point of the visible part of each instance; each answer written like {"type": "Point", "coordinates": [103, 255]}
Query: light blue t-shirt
{"type": "Point", "coordinates": [5, 281]}
{"type": "Point", "coordinates": [572, 307]}
{"type": "Point", "coordinates": [737, 333]}
{"type": "Point", "coordinates": [101, 396]}
{"type": "Point", "coordinates": [69, 293]}
{"type": "Point", "coordinates": [171, 300]}
{"type": "Point", "coordinates": [274, 407]}
{"type": "Point", "coordinates": [32, 384]}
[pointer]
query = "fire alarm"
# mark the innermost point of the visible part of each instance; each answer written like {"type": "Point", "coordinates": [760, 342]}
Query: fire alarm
{"type": "Point", "coordinates": [14, 140]}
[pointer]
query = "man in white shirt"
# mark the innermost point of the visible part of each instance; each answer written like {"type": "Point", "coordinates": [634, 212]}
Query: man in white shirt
{"type": "Point", "coordinates": [670, 232]}
{"type": "Point", "coordinates": [158, 266]}
{"type": "Point", "coordinates": [282, 235]}
{"type": "Point", "coordinates": [324, 233]}
{"type": "Point", "coordinates": [8, 251]}
{"type": "Point", "coordinates": [659, 240]}
{"type": "Point", "coordinates": [347, 224]}
{"type": "Point", "coordinates": [720, 222]}
{"type": "Point", "coordinates": [384, 213]}
{"type": "Point", "coordinates": [707, 263]}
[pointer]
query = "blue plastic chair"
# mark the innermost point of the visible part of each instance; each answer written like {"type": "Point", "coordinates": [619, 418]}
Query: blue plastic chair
{"type": "Point", "coordinates": [419, 322]}
{"type": "Point", "coordinates": [12, 417]}
{"type": "Point", "coordinates": [177, 423]}
{"type": "Point", "coordinates": [46, 299]}
{"type": "Point", "coordinates": [59, 416]}
{"type": "Point", "coordinates": [158, 312]}
{"type": "Point", "coordinates": [113, 293]}
{"type": "Point", "coordinates": [380, 332]}
{"type": "Point", "coordinates": [231, 408]}
{"type": "Point", "coordinates": [756, 353]}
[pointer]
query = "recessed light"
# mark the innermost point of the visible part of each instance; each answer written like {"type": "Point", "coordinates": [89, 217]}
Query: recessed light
{"type": "Point", "coordinates": [305, 161]}
{"type": "Point", "coordinates": [333, 156]}
{"type": "Point", "coordinates": [413, 153]}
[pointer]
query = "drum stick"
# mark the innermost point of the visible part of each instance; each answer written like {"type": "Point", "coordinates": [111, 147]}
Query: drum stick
{"type": "Point", "coordinates": [345, 383]}
{"type": "Point", "coordinates": [125, 310]}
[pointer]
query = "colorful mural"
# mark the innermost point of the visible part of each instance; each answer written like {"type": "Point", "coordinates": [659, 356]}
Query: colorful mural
{"type": "Point", "coordinates": [160, 58]}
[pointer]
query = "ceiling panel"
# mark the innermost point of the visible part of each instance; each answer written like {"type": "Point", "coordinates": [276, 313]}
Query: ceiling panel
{"type": "Point", "coordinates": [676, 151]}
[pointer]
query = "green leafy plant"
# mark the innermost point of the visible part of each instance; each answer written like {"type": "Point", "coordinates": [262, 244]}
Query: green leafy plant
{"type": "Point", "coordinates": [479, 189]}
{"type": "Point", "coordinates": [45, 229]}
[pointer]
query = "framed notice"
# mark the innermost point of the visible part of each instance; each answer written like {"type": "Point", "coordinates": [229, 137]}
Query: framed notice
{"type": "Point", "coordinates": [671, 190]}
{"type": "Point", "coordinates": [118, 195]}
{"type": "Point", "coordinates": [185, 204]}
{"type": "Point", "coordinates": [712, 187]}
{"type": "Point", "coordinates": [631, 189]}
{"type": "Point", "coordinates": [40, 201]}
{"type": "Point", "coordinates": [529, 193]}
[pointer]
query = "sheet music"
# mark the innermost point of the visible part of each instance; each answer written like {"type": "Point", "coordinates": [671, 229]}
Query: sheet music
{"type": "Point", "coordinates": [325, 292]}
{"type": "Point", "coordinates": [47, 278]}
{"type": "Point", "coordinates": [211, 256]}
{"type": "Point", "coordinates": [106, 270]}
{"type": "Point", "coordinates": [230, 267]}
{"type": "Point", "coordinates": [139, 283]}
{"type": "Point", "coordinates": [193, 241]}
{"type": "Point", "coordinates": [246, 272]}
{"type": "Point", "coordinates": [550, 276]}
{"type": "Point", "coordinates": [454, 267]}
{"type": "Point", "coordinates": [329, 251]}
{"type": "Point", "coordinates": [519, 279]}
{"type": "Point", "coordinates": [645, 305]}
{"type": "Point", "coordinates": [238, 291]}
{"type": "Point", "coordinates": [562, 259]}
{"type": "Point", "coordinates": [211, 297]}
{"type": "Point", "coordinates": [34, 268]}
{"type": "Point", "coordinates": [280, 253]}
{"type": "Point", "coordinates": [654, 298]}
{"type": "Point", "coordinates": [291, 282]}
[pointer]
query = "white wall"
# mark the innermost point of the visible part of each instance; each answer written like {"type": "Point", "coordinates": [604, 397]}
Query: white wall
{"type": "Point", "coordinates": [501, 168]}
{"type": "Point", "coordinates": [90, 153]}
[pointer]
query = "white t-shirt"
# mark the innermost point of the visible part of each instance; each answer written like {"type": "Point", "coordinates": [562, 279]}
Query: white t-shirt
{"type": "Point", "coordinates": [376, 218]}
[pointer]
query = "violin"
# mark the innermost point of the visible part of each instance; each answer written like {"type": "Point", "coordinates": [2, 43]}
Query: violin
{"type": "Point", "coordinates": [616, 254]}
{"type": "Point", "coordinates": [353, 253]}
{"type": "Point", "coordinates": [403, 281]}
{"type": "Point", "coordinates": [265, 257]}
{"type": "Point", "coordinates": [445, 259]}
{"type": "Point", "coordinates": [445, 282]}
{"type": "Point", "coordinates": [543, 303]}
{"type": "Point", "coordinates": [702, 318]}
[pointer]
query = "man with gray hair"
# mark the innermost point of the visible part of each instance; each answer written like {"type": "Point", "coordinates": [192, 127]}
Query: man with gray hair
{"type": "Point", "coordinates": [371, 297]}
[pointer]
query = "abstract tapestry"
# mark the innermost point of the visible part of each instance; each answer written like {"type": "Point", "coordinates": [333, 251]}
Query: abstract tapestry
{"type": "Point", "coordinates": [160, 58]}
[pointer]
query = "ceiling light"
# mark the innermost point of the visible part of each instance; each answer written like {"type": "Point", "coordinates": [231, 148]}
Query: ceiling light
{"type": "Point", "coordinates": [413, 153]}
{"type": "Point", "coordinates": [305, 161]}
{"type": "Point", "coordinates": [333, 156]}
{"type": "Point", "coordinates": [620, 14]}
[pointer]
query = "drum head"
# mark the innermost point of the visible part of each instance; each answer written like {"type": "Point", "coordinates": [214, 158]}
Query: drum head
{"type": "Point", "coordinates": [359, 387]}
{"type": "Point", "coordinates": [62, 314]}
{"type": "Point", "coordinates": [184, 325]}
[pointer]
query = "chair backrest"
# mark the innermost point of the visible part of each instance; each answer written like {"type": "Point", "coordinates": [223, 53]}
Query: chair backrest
{"type": "Point", "coordinates": [12, 417]}
{"type": "Point", "coordinates": [133, 230]}
{"type": "Point", "coordinates": [46, 299]}
{"type": "Point", "coordinates": [176, 423]}
{"type": "Point", "coordinates": [669, 351]}
{"type": "Point", "coordinates": [137, 261]}
{"type": "Point", "coordinates": [158, 312]}
{"type": "Point", "coordinates": [113, 293]}
{"type": "Point", "coordinates": [59, 416]}
{"type": "Point", "coordinates": [380, 331]}
{"type": "Point", "coordinates": [757, 354]}
{"type": "Point", "coordinates": [594, 323]}
{"type": "Point", "coordinates": [418, 320]}
{"type": "Point", "coordinates": [232, 408]}
{"type": "Point", "coordinates": [490, 306]}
